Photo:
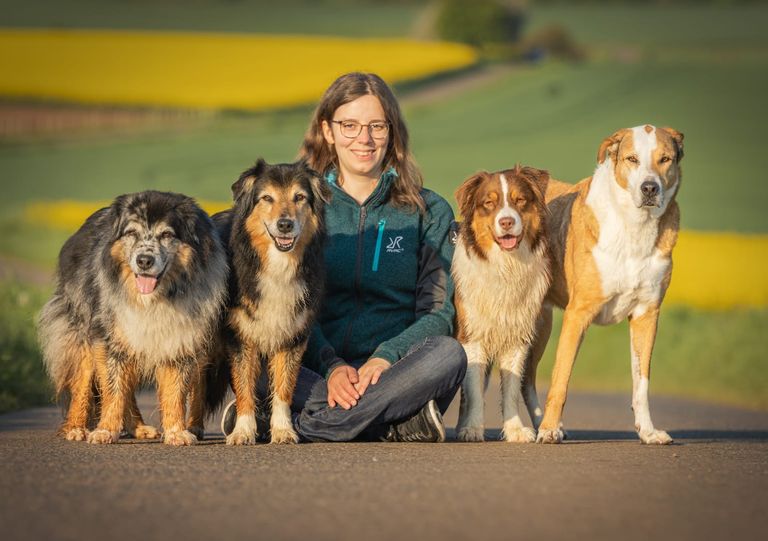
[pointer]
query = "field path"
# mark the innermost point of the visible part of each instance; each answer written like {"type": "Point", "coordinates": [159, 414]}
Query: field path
{"type": "Point", "coordinates": [452, 85]}
{"type": "Point", "coordinates": [18, 270]}
{"type": "Point", "coordinates": [601, 484]}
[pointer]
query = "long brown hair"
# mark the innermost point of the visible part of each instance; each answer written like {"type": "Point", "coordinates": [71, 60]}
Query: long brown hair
{"type": "Point", "coordinates": [321, 155]}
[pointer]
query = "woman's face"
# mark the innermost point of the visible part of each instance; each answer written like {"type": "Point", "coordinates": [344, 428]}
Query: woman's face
{"type": "Point", "coordinates": [363, 155]}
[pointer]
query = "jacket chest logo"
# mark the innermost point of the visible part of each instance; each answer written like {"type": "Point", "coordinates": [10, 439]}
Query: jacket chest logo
{"type": "Point", "coordinates": [394, 245]}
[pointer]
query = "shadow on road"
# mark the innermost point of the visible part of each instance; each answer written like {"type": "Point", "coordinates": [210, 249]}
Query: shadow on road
{"type": "Point", "coordinates": [590, 436]}
{"type": "Point", "coordinates": [727, 435]}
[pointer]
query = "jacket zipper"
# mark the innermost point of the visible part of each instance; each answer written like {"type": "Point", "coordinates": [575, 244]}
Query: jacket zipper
{"type": "Point", "coordinates": [377, 253]}
{"type": "Point", "coordinates": [358, 279]}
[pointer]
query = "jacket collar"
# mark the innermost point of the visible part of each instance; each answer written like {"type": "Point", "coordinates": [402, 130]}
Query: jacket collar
{"type": "Point", "coordinates": [380, 194]}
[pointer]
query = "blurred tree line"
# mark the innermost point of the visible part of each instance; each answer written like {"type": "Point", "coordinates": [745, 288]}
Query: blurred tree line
{"type": "Point", "coordinates": [496, 27]}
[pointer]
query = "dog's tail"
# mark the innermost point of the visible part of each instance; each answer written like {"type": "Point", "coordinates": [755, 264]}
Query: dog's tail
{"type": "Point", "coordinates": [63, 347]}
{"type": "Point", "coordinates": [217, 382]}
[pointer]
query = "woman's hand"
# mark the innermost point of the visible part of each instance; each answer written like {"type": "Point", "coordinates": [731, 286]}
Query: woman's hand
{"type": "Point", "coordinates": [341, 387]}
{"type": "Point", "coordinates": [370, 373]}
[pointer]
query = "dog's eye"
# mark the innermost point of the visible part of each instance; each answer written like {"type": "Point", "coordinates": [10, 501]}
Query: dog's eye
{"type": "Point", "coordinates": [267, 198]}
{"type": "Point", "coordinates": [665, 159]}
{"type": "Point", "coordinates": [167, 235]}
{"type": "Point", "coordinates": [520, 201]}
{"type": "Point", "coordinates": [489, 204]}
{"type": "Point", "coordinates": [633, 159]}
{"type": "Point", "coordinates": [132, 233]}
{"type": "Point", "coordinates": [299, 197]}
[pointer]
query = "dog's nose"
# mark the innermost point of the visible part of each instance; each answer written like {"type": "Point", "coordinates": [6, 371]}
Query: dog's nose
{"type": "Point", "coordinates": [649, 188]}
{"type": "Point", "coordinates": [507, 222]}
{"type": "Point", "coordinates": [145, 261]}
{"type": "Point", "coordinates": [284, 225]}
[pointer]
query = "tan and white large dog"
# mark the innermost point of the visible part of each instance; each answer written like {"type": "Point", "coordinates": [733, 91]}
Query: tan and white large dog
{"type": "Point", "coordinates": [500, 267]}
{"type": "Point", "coordinates": [611, 237]}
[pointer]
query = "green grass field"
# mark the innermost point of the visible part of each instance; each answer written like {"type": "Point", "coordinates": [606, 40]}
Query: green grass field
{"type": "Point", "coordinates": [335, 17]}
{"type": "Point", "coordinates": [712, 356]}
{"type": "Point", "coordinates": [701, 70]}
{"type": "Point", "coordinates": [22, 377]}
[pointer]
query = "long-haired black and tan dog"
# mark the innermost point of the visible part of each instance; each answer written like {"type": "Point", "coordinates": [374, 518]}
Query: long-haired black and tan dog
{"type": "Point", "coordinates": [274, 234]}
{"type": "Point", "coordinates": [141, 287]}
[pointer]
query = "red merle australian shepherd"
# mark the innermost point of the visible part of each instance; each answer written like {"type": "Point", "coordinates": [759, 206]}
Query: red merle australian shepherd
{"type": "Point", "coordinates": [500, 267]}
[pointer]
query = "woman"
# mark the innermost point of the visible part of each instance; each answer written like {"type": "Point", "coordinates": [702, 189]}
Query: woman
{"type": "Point", "coordinates": [380, 363]}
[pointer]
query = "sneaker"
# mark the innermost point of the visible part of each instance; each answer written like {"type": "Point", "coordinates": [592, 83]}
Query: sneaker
{"type": "Point", "coordinates": [229, 420]}
{"type": "Point", "coordinates": [424, 427]}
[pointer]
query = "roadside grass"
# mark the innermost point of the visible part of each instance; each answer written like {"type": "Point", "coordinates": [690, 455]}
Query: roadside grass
{"type": "Point", "coordinates": [23, 382]}
{"type": "Point", "coordinates": [709, 355]}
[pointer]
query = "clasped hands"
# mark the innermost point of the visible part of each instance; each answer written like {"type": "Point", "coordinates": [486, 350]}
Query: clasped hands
{"type": "Point", "coordinates": [346, 385]}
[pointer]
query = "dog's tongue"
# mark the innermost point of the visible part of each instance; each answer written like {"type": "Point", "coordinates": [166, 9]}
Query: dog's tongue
{"type": "Point", "coordinates": [146, 284]}
{"type": "Point", "coordinates": [508, 242]}
{"type": "Point", "coordinates": [284, 241]}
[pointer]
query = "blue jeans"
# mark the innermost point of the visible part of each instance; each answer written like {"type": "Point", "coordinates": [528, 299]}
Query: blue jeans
{"type": "Point", "coordinates": [432, 369]}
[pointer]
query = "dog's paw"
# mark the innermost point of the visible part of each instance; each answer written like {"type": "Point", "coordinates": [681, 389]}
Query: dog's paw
{"type": "Point", "coordinates": [470, 433]}
{"type": "Point", "coordinates": [241, 437]}
{"type": "Point", "coordinates": [103, 436]}
{"type": "Point", "coordinates": [198, 431]}
{"type": "Point", "coordinates": [76, 434]}
{"type": "Point", "coordinates": [146, 432]}
{"type": "Point", "coordinates": [550, 436]}
{"type": "Point", "coordinates": [521, 434]}
{"type": "Point", "coordinates": [179, 438]}
{"type": "Point", "coordinates": [655, 437]}
{"type": "Point", "coordinates": [283, 435]}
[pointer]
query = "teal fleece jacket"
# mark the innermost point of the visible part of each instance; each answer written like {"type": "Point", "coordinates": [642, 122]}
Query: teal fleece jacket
{"type": "Point", "coordinates": [388, 280]}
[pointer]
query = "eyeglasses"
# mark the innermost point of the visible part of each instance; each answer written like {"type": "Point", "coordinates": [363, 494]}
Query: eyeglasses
{"type": "Point", "coordinates": [351, 128]}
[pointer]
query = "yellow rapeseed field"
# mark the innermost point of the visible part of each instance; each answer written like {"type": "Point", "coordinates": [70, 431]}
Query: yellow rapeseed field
{"type": "Point", "coordinates": [711, 270]}
{"type": "Point", "coordinates": [204, 70]}
{"type": "Point", "coordinates": [720, 270]}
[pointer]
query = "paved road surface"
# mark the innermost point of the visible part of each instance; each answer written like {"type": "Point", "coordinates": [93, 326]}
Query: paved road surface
{"type": "Point", "coordinates": [601, 484]}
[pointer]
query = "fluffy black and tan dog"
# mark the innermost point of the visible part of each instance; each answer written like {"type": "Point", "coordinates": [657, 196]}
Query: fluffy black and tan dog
{"type": "Point", "coordinates": [275, 234]}
{"type": "Point", "coordinates": [141, 287]}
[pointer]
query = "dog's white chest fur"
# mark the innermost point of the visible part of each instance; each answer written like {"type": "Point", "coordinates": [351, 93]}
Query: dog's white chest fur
{"type": "Point", "coordinates": [276, 319]}
{"type": "Point", "coordinates": [161, 332]}
{"type": "Point", "coordinates": [632, 270]}
{"type": "Point", "coordinates": [501, 296]}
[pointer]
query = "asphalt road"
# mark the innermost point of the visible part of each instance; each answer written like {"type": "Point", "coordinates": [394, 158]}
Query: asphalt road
{"type": "Point", "coordinates": [601, 484]}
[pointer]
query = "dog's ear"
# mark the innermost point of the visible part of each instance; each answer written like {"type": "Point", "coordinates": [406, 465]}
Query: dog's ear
{"type": "Point", "coordinates": [610, 146]}
{"type": "Point", "coordinates": [320, 190]}
{"type": "Point", "coordinates": [195, 220]}
{"type": "Point", "coordinates": [538, 179]}
{"type": "Point", "coordinates": [465, 195]}
{"type": "Point", "coordinates": [247, 179]}
{"type": "Point", "coordinates": [677, 137]}
{"type": "Point", "coordinates": [115, 216]}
